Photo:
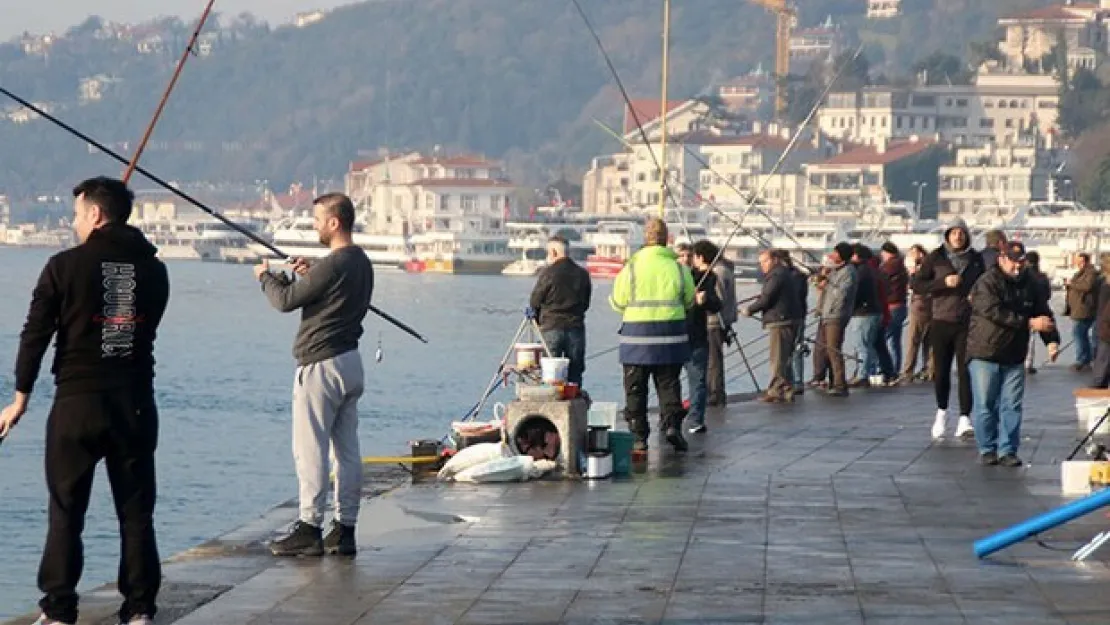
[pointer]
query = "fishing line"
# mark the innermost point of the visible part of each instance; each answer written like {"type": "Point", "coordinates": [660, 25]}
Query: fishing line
{"type": "Point", "coordinates": [181, 194]}
{"type": "Point", "coordinates": [631, 109]}
{"type": "Point", "coordinates": [189, 49]}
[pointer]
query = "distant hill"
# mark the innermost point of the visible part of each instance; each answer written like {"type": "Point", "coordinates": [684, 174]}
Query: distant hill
{"type": "Point", "coordinates": [513, 79]}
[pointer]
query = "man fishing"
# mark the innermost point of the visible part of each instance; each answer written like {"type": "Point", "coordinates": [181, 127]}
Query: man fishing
{"type": "Point", "coordinates": [104, 299]}
{"type": "Point", "coordinates": [333, 294]}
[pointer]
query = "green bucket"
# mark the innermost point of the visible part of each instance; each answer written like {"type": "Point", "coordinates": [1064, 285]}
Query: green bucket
{"type": "Point", "coordinates": [620, 445]}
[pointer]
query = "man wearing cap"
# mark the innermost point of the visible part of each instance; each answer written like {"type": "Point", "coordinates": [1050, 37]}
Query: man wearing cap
{"type": "Point", "coordinates": [947, 277]}
{"type": "Point", "coordinates": [1005, 308]}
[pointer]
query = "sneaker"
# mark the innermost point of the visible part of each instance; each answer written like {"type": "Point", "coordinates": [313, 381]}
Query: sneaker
{"type": "Point", "coordinates": [340, 540]}
{"type": "Point", "coordinates": [1010, 460]}
{"type": "Point", "coordinates": [698, 429]}
{"type": "Point", "coordinates": [304, 540]}
{"type": "Point", "coordinates": [940, 423]}
{"type": "Point", "coordinates": [674, 437]}
{"type": "Point", "coordinates": [141, 619]}
{"type": "Point", "coordinates": [45, 620]}
{"type": "Point", "coordinates": [837, 392]}
{"type": "Point", "coordinates": [964, 429]}
{"type": "Point", "coordinates": [988, 459]}
{"type": "Point", "coordinates": [640, 445]}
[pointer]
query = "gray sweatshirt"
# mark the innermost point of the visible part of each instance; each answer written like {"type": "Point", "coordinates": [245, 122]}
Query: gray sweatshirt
{"type": "Point", "coordinates": [334, 296]}
{"type": "Point", "coordinates": [840, 293]}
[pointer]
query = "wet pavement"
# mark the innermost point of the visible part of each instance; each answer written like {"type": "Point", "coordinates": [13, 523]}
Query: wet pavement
{"type": "Point", "coordinates": [832, 511]}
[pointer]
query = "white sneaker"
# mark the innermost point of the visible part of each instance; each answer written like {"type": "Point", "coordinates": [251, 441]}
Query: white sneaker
{"type": "Point", "coordinates": [940, 424]}
{"type": "Point", "coordinates": [964, 429]}
{"type": "Point", "coordinates": [141, 620]}
{"type": "Point", "coordinates": [43, 620]}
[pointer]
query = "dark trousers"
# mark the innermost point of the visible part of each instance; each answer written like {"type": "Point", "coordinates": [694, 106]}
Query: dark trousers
{"type": "Point", "coordinates": [668, 387]}
{"type": "Point", "coordinates": [120, 427]}
{"type": "Point", "coordinates": [570, 344]}
{"type": "Point", "coordinates": [715, 369]}
{"type": "Point", "coordinates": [821, 370]}
{"type": "Point", "coordinates": [950, 343]}
{"type": "Point", "coordinates": [1102, 365]}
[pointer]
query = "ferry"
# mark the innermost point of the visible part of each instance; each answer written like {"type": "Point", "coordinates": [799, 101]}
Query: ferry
{"type": "Point", "coordinates": [529, 241]}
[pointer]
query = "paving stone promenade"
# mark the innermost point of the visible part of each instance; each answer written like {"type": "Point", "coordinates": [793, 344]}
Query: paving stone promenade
{"type": "Point", "coordinates": [831, 512]}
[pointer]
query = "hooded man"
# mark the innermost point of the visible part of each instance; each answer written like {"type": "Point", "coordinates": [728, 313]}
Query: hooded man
{"type": "Point", "coordinates": [947, 276]}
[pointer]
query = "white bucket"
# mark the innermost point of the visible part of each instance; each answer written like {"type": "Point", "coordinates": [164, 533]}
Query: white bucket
{"type": "Point", "coordinates": [602, 414]}
{"type": "Point", "coordinates": [1089, 410]}
{"type": "Point", "coordinates": [554, 370]}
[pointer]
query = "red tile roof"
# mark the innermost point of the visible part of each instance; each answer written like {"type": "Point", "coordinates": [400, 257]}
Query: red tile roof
{"type": "Point", "coordinates": [646, 111]}
{"type": "Point", "coordinates": [1052, 12]}
{"type": "Point", "coordinates": [857, 155]}
{"type": "Point", "coordinates": [361, 165]}
{"type": "Point", "coordinates": [460, 182]}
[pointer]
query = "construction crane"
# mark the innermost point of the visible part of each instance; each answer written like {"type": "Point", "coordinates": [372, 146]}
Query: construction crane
{"type": "Point", "coordinates": [786, 17]}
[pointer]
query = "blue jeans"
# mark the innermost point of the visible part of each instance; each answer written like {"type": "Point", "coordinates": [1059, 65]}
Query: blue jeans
{"type": "Point", "coordinates": [696, 369]}
{"type": "Point", "coordinates": [893, 336]}
{"type": "Point", "coordinates": [569, 344]}
{"type": "Point", "coordinates": [798, 366]}
{"type": "Point", "coordinates": [1081, 333]}
{"type": "Point", "coordinates": [867, 335]}
{"type": "Point", "coordinates": [996, 392]}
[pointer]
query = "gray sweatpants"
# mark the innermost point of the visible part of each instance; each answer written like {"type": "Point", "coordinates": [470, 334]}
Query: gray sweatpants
{"type": "Point", "coordinates": [325, 426]}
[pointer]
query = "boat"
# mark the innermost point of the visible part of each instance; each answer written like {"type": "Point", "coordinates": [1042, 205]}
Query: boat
{"type": "Point", "coordinates": [614, 243]}
{"type": "Point", "coordinates": [296, 236]}
{"type": "Point", "coordinates": [189, 239]}
{"type": "Point", "coordinates": [529, 241]}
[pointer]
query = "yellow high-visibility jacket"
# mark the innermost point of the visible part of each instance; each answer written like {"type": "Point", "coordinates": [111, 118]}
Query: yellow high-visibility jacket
{"type": "Point", "coordinates": [653, 292]}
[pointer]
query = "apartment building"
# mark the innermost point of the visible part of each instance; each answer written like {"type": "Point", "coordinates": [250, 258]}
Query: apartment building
{"type": "Point", "coordinates": [721, 168]}
{"type": "Point", "coordinates": [818, 44]}
{"type": "Point", "coordinates": [1030, 35]}
{"type": "Point", "coordinates": [865, 175]}
{"type": "Point", "coordinates": [883, 9]}
{"type": "Point", "coordinates": [1001, 107]}
{"type": "Point", "coordinates": [419, 191]}
{"type": "Point", "coordinates": [993, 176]}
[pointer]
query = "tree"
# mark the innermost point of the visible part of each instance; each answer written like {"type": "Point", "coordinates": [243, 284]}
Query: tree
{"type": "Point", "coordinates": [1083, 103]}
{"type": "Point", "coordinates": [1096, 193]}
{"type": "Point", "coordinates": [940, 68]}
{"type": "Point", "coordinates": [979, 52]}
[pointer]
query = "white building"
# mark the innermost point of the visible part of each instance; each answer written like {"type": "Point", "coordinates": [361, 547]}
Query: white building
{"type": "Point", "coordinates": [1000, 107]}
{"type": "Point", "coordinates": [993, 176]}
{"type": "Point", "coordinates": [883, 9]}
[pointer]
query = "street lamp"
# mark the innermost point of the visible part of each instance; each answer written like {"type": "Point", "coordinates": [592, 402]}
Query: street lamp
{"type": "Point", "coordinates": [920, 190]}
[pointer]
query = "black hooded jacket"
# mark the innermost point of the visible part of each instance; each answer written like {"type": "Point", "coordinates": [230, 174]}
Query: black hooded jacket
{"type": "Point", "coordinates": [950, 304]}
{"type": "Point", "coordinates": [104, 299]}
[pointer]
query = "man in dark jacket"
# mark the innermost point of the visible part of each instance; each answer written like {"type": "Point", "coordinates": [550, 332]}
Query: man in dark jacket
{"type": "Point", "coordinates": [801, 283]}
{"type": "Point", "coordinates": [1042, 286]}
{"type": "Point", "coordinates": [720, 325]}
{"type": "Point", "coordinates": [1102, 326]}
{"type": "Point", "coordinates": [697, 328]}
{"type": "Point", "coordinates": [898, 280]}
{"type": "Point", "coordinates": [1005, 308]}
{"type": "Point", "coordinates": [560, 299]}
{"type": "Point", "coordinates": [104, 300]}
{"type": "Point", "coordinates": [994, 243]}
{"type": "Point", "coordinates": [1082, 296]}
{"type": "Point", "coordinates": [947, 277]}
{"type": "Point", "coordinates": [778, 301]}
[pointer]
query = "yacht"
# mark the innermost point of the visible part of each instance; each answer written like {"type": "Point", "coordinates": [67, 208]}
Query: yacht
{"type": "Point", "coordinates": [460, 243]}
{"type": "Point", "coordinates": [296, 236]}
{"type": "Point", "coordinates": [613, 242]}
{"type": "Point", "coordinates": [179, 239]}
{"type": "Point", "coordinates": [529, 240]}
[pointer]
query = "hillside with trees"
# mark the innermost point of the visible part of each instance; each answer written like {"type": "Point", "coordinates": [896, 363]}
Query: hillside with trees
{"type": "Point", "coordinates": [516, 80]}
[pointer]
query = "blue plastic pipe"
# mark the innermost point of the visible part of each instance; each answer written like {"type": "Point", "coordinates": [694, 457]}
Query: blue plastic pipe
{"type": "Point", "coordinates": [1042, 522]}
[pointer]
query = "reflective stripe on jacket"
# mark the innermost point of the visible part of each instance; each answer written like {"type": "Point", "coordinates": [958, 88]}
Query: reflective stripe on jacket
{"type": "Point", "coordinates": [653, 292]}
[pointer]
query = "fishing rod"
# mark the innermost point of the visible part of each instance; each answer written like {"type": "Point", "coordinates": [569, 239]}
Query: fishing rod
{"type": "Point", "coordinates": [189, 48]}
{"type": "Point", "coordinates": [181, 194]}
